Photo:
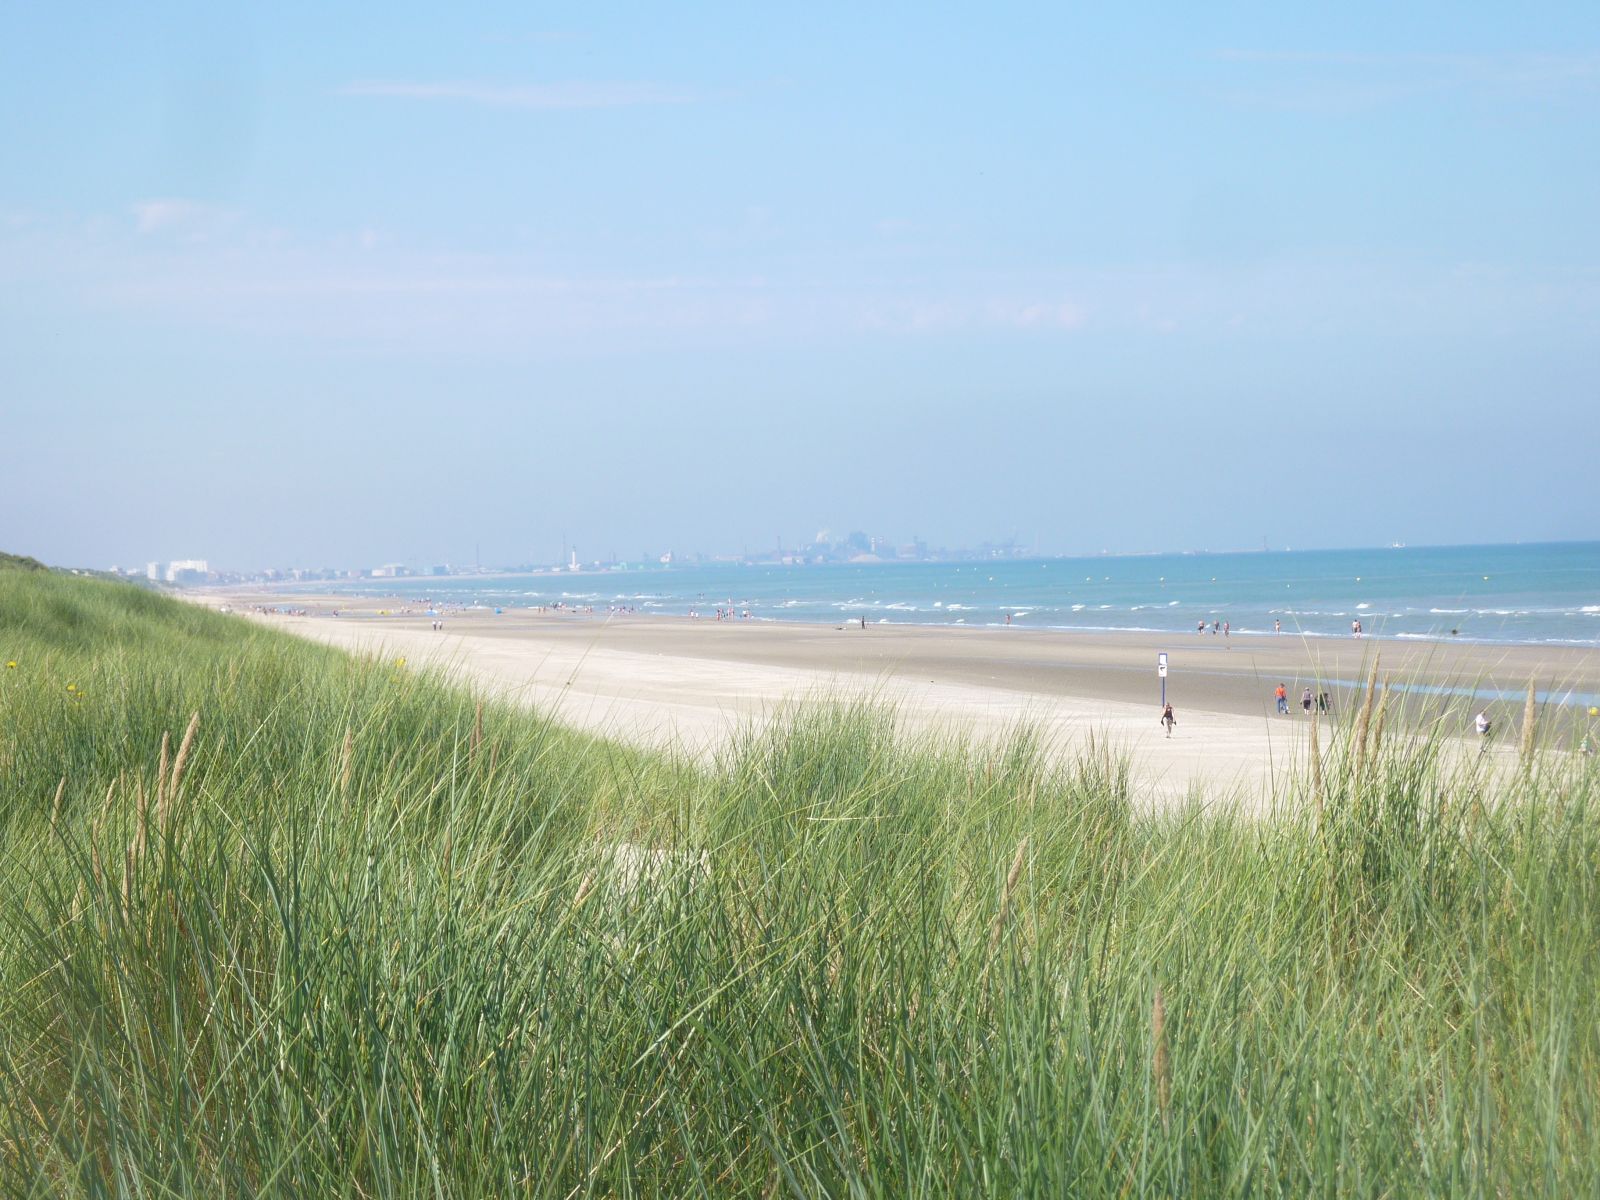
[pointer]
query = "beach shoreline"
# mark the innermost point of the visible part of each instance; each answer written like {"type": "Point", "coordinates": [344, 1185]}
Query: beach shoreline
{"type": "Point", "coordinates": [362, 602]}
{"type": "Point", "coordinates": [694, 684]}
{"type": "Point", "coordinates": [1492, 595]}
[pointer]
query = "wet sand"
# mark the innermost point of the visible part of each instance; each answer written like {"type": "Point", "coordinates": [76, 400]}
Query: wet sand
{"type": "Point", "coordinates": [691, 683]}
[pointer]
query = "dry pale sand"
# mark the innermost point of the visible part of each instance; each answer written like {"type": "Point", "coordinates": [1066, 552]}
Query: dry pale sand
{"type": "Point", "coordinates": [693, 683]}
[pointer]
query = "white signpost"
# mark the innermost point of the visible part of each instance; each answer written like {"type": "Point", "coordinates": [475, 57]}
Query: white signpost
{"type": "Point", "coordinates": [1161, 671]}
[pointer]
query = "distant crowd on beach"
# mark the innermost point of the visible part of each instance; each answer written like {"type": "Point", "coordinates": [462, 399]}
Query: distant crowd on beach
{"type": "Point", "coordinates": [1226, 629]}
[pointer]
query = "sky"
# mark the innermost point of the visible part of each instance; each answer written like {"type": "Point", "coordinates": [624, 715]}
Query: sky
{"type": "Point", "coordinates": [340, 284]}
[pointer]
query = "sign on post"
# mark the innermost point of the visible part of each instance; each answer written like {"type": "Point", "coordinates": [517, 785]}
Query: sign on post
{"type": "Point", "coordinates": [1161, 671]}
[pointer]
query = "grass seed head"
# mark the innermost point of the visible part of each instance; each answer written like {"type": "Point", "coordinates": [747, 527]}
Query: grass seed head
{"type": "Point", "coordinates": [1364, 722]}
{"type": "Point", "coordinates": [183, 755]}
{"type": "Point", "coordinates": [1530, 712]}
{"type": "Point", "coordinates": [1005, 895]}
{"type": "Point", "coordinates": [1383, 711]}
{"type": "Point", "coordinates": [347, 756]}
{"type": "Point", "coordinates": [161, 769]}
{"type": "Point", "coordinates": [1160, 1065]}
{"type": "Point", "coordinates": [1316, 770]}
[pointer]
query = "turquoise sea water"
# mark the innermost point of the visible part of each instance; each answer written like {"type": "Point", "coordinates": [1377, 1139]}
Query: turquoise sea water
{"type": "Point", "coordinates": [1546, 593]}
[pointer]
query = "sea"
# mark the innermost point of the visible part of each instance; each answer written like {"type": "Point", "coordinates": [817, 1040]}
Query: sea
{"type": "Point", "coordinates": [1533, 593]}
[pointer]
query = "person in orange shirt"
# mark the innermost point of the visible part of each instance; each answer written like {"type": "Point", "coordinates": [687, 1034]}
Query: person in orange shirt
{"type": "Point", "coordinates": [1283, 698]}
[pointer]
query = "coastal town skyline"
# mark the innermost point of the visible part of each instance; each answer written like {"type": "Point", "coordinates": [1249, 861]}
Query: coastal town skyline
{"type": "Point", "coordinates": [855, 548]}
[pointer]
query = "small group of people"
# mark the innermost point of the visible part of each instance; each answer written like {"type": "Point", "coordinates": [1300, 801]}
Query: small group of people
{"type": "Point", "coordinates": [1306, 700]}
{"type": "Point", "coordinates": [1223, 627]}
{"type": "Point", "coordinates": [561, 606]}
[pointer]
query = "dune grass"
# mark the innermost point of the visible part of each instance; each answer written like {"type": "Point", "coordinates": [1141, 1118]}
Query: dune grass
{"type": "Point", "coordinates": [374, 938]}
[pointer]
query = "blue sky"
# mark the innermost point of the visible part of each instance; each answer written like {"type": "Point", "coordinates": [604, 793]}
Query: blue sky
{"type": "Point", "coordinates": [330, 284]}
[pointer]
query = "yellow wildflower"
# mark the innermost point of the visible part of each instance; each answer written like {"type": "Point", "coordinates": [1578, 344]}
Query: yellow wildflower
{"type": "Point", "coordinates": [12, 665]}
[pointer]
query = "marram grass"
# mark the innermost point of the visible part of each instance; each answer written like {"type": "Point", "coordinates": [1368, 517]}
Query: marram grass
{"type": "Point", "coordinates": [359, 935]}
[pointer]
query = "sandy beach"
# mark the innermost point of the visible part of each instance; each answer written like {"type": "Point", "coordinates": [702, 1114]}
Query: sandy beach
{"type": "Point", "coordinates": [693, 683]}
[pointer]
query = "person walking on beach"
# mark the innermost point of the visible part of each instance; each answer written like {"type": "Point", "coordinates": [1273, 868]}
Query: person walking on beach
{"type": "Point", "coordinates": [1355, 627]}
{"type": "Point", "coordinates": [1277, 626]}
{"type": "Point", "coordinates": [1283, 699]}
{"type": "Point", "coordinates": [1226, 626]}
{"type": "Point", "coordinates": [1305, 701]}
{"type": "Point", "coordinates": [1200, 627]}
{"type": "Point", "coordinates": [1483, 724]}
{"type": "Point", "coordinates": [1168, 720]}
{"type": "Point", "coordinates": [1322, 702]}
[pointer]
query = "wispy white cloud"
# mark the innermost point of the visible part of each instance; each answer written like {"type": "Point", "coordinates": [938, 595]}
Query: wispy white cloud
{"type": "Point", "coordinates": [1333, 79]}
{"type": "Point", "coordinates": [539, 96]}
{"type": "Point", "coordinates": [363, 289]}
{"type": "Point", "coordinates": [1508, 65]}
{"type": "Point", "coordinates": [179, 216]}
{"type": "Point", "coordinates": [533, 36]}
{"type": "Point", "coordinates": [947, 314]}
{"type": "Point", "coordinates": [1060, 315]}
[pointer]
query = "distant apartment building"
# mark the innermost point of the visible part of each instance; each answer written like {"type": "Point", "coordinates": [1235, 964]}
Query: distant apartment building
{"type": "Point", "coordinates": [188, 570]}
{"type": "Point", "coordinates": [152, 571]}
